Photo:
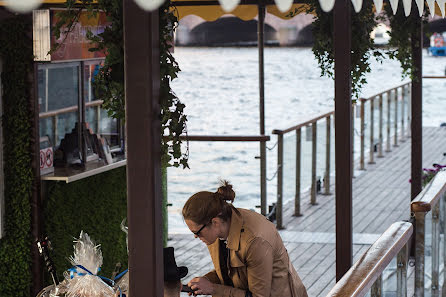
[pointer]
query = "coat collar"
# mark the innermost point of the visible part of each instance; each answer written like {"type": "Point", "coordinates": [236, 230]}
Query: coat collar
{"type": "Point", "coordinates": [235, 230]}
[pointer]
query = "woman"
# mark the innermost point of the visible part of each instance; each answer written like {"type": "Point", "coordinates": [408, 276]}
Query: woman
{"type": "Point", "coordinates": [248, 254]}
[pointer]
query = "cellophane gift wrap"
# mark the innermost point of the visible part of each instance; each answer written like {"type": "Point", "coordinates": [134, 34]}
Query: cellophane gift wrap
{"type": "Point", "coordinates": [82, 279]}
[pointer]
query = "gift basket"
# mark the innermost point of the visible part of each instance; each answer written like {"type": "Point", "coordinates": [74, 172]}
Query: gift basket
{"type": "Point", "coordinates": [83, 278]}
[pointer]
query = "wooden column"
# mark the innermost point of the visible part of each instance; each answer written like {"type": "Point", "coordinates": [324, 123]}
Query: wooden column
{"type": "Point", "coordinates": [416, 128]}
{"type": "Point", "coordinates": [343, 138]}
{"type": "Point", "coordinates": [144, 195]}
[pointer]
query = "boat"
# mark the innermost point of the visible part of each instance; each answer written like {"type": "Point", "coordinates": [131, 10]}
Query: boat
{"type": "Point", "coordinates": [437, 45]}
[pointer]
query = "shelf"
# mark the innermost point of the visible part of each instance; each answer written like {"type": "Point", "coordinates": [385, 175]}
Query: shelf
{"type": "Point", "coordinates": [70, 174]}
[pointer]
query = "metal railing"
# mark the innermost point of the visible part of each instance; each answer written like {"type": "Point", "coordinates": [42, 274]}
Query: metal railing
{"type": "Point", "coordinates": [430, 205]}
{"type": "Point", "coordinates": [366, 274]}
{"type": "Point", "coordinates": [397, 100]}
{"type": "Point", "coordinates": [399, 94]}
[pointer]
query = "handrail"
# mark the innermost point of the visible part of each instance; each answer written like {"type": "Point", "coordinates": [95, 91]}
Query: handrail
{"type": "Point", "coordinates": [431, 76]}
{"type": "Point", "coordinates": [53, 113]}
{"type": "Point", "coordinates": [430, 194]}
{"type": "Point", "coordinates": [383, 92]}
{"type": "Point", "coordinates": [361, 276]}
{"type": "Point", "coordinates": [306, 123]}
{"type": "Point", "coordinates": [224, 138]}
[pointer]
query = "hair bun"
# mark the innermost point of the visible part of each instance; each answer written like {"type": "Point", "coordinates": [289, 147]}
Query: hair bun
{"type": "Point", "coordinates": [226, 191]}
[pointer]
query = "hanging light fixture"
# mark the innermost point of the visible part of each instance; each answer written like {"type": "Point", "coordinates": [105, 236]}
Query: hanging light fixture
{"type": "Point", "coordinates": [149, 5]}
{"type": "Point", "coordinates": [284, 5]}
{"type": "Point", "coordinates": [228, 5]}
{"type": "Point", "coordinates": [378, 5]}
{"type": "Point", "coordinates": [327, 5]}
{"type": "Point", "coordinates": [407, 4]}
{"type": "Point", "coordinates": [22, 6]}
{"type": "Point", "coordinates": [357, 5]}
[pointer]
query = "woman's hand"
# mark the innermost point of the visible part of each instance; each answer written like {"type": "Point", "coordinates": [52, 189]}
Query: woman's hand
{"type": "Point", "coordinates": [201, 286]}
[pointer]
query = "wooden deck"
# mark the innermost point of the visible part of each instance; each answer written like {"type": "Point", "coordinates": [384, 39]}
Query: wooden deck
{"type": "Point", "coordinates": [381, 196]}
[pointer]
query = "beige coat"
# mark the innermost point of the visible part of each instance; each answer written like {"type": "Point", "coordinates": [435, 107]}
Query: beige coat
{"type": "Point", "coordinates": [258, 260]}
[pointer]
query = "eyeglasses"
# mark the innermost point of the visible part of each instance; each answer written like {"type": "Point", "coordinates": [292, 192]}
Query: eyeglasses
{"type": "Point", "coordinates": [201, 229]}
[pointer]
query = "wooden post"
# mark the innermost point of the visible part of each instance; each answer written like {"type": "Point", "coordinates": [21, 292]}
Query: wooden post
{"type": "Point", "coordinates": [313, 163]}
{"type": "Point", "coordinates": [417, 126]}
{"type": "Point", "coordinates": [144, 196]}
{"type": "Point", "coordinates": [297, 212]}
{"type": "Point", "coordinates": [343, 142]}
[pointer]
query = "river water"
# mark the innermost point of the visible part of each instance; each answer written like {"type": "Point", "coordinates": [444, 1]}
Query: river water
{"type": "Point", "coordinates": [220, 89]}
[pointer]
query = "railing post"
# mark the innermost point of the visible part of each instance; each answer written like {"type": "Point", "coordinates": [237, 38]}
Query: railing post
{"type": "Point", "coordinates": [313, 163]}
{"type": "Point", "coordinates": [389, 99]}
{"type": "Point", "coordinates": [380, 146]}
{"type": "Point", "coordinates": [353, 138]}
{"type": "Point", "coordinates": [372, 128]}
{"type": "Point", "coordinates": [98, 116]}
{"type": "Point", "coordinates": [361, 158]}
{"type": "Point", "coordinates": [327, 157]}
{"type": "Point", "coordinates": [444, 237]}
{"type": "Point", "coordinates": [402, 272]}
{"type": "Point", "coordinates": [403, 103]}
{"type": "Point", "coordinates": [409, 109]}
{"type": "Point", "coordinates": [377, 287]}
{"type": "Point", "coordinates": [395, 142]}
{"type": "Point", "coordinates": [419, 253]}
{"type": "Point", "coordinates": [435, 249]}
{"type": "Point", "coordinates": [263, 198]}
{"type": "Point", "coordinates": [297, 212]}
{"type": "Point", "coordinates": [279, 203]}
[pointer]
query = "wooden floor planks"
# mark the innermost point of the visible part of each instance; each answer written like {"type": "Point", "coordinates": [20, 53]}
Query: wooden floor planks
{"type": "Point", "coordinates": [381, 196]}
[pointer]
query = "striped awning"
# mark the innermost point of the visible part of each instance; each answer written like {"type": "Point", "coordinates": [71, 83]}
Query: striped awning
{"type": "Point", "coordinates": [283, 8]}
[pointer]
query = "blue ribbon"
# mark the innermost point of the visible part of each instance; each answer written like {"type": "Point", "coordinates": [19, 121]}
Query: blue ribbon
{"type": "Point", "coordinates": [120, 275]}
{"type": "Point", "coordinates": [73, 270]}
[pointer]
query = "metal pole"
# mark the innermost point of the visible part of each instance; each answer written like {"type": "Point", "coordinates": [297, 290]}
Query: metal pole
{"type": "Point", "coordinates": [435, 249]}
{"type": "Point", "coordinates": [380, 147]}
{"type": "Point", "coordinates": [144, 194]}
{"type": "Point", "coordinates": [343, 140]}
{"type": "Point", "coordinates": [361, 158]}
{"type": "Point", "coordinates": [372, 130]}
{"type": "Point", "coordinates": [395, 123]}
{"type": "Point", "coordinates": [327, 157]}
{"type": "Point", "coordinates": [402, 271]}
{"type": "Point", "coordinates": [260, 29]}
{"type": "Point", "coordinates": [297, 211]}
{"type": "Point", "coordinates": [377, 287]}
{"type": "Point", "coordinates": [98, 116]}
{"type": "Point", "coordinates": [403, 103]}
{"type": "Point", "coordinates": [313, 163]}
{"type": "Point", "coordinates": [389, 99]}
{"type": "Point", "coordinates": [417, 108]}
{"type": "Point", "coordinates": [419, 253]}
{"type": "Point", "coordinates": [279, 181]}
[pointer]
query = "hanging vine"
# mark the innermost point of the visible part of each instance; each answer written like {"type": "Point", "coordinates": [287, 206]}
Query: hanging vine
{"type": "Point", "coordinates": [400, 44]}
{"type": "Point", "coordinates": [362, 46]}
{"type": "Point", "coordinates": [109, 82]}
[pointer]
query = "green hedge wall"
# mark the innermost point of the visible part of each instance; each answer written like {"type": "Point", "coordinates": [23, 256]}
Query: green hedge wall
{"type": "Point", "coordinates": [15, 246]}
{"type": "Point", "coordinates": [96, 205]}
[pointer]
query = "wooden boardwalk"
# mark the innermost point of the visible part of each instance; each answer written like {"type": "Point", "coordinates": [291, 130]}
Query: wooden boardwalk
{"type": "Point", "coordinates": [381, 196]}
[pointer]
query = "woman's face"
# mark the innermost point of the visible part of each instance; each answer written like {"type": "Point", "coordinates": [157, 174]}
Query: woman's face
{"type": "Point", "coordinates": [207, 233]}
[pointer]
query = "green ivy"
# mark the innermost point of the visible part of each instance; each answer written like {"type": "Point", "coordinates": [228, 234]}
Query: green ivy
{"type": "Point", "coordinates": [96, 205]}
{"type": "Point", "coordinates": [109, 83]}
{"type": "Point", "coordinates": [362, 46]}
{"type": "Point", "coordinates": [15, 248]}
{"type": "Point", "coordinates": [400, 43]}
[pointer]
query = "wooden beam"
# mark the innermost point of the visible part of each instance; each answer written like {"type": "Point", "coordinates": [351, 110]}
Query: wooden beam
{"type": "Point", "coordinates": [343, 137]}
{"type": "Point", "coordinates": [417, 108]}
{"type": "Point", "coordinates": [144, 196]}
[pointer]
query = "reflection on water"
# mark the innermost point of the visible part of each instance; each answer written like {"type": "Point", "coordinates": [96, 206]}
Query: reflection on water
{"type": "Point", "coordinates": [220, 89]}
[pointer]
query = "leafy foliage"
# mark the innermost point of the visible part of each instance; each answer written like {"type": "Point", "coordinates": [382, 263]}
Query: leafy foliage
{"type": "Point", "coordinates": [362, 46]}
{"type": "Point", "coordinates": [400, 43]}
{"type": "Point", "coordinates": [109, 83]}
{"type": "Point", "coordinates": [15, 248]}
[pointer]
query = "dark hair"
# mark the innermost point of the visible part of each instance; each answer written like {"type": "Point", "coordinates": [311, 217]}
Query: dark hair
{"type": "Point", "coordinates": [202, 207]}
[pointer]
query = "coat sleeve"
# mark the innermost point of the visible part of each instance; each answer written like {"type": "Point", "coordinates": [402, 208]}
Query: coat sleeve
{"type": "Point", "coordinates": [259, 265]}
{"type": "Point", "coordinates": [212, 277]}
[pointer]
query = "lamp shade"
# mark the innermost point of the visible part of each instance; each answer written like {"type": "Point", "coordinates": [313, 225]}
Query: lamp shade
{"type": "Point", "coordinates": [149, 5]}
{"type": "Point", "coordinates": [22, 6]}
